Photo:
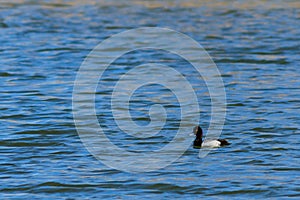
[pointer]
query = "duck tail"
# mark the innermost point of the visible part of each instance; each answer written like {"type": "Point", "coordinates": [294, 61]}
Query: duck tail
{"type": "Point", "coordinates": [223, 142]}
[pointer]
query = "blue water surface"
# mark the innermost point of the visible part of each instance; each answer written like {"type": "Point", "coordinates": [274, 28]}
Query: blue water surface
{"type": "Point", "coordinates": [255, 46]}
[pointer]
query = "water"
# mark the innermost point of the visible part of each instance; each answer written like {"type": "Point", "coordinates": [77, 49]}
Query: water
{"type": "Point", "coordinates": [256, 48]}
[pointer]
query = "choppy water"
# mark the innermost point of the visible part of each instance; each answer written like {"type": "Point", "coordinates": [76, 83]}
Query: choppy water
{"type": "Point", "coordinates": [256, 48]}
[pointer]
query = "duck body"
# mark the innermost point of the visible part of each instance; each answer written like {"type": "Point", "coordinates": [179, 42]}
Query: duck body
{"type": "Point", "coordinates": [199, 143]}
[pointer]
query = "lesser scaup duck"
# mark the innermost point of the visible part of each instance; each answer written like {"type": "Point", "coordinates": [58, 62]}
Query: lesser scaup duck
{"type": "Point", "coordinates": [198, 142]}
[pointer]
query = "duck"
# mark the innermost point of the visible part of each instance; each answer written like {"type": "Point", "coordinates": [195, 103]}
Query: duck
{"type": "Point", "coordinates": [199, 143]}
